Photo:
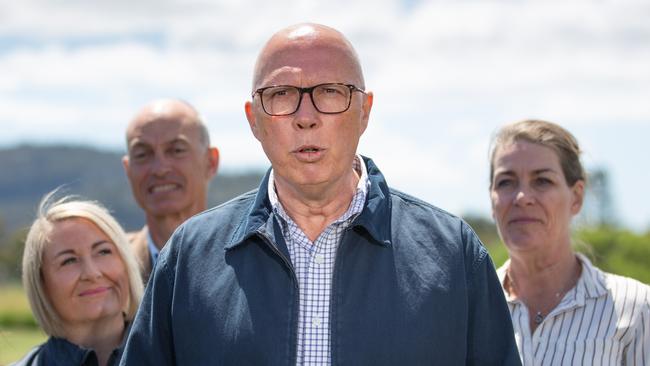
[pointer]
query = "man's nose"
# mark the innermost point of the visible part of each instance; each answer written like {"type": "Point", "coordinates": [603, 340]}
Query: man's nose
{"type": "Point", "coordinates": [160, 165]}
{"type": "Point", "coordinates": [306, 117]}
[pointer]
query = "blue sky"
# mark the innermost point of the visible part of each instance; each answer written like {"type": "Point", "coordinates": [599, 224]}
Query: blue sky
{"type": "Point", "coordinates": [446, 74]}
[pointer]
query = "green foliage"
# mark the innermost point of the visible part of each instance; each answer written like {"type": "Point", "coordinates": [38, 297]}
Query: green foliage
{"type": "Point", "coordinates": [498, 253]}
{"type": "Point", "coordinates": [617, 251]}
{"type": "Point", "coordinates": [11, 253]}
{"type": "Point", "coordinates": [18, 329]}
{"type": "Point", "coordinates": [487, 232]}
{"type": "Point", "coordinates": [16, 342]}
{"type": "Point", "coordinates": [14, 307]}
{"type": "Point", "coordinates": [484, 228]}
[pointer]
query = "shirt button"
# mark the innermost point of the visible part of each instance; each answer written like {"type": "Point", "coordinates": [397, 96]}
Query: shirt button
{"type": "Point", "coordinates": [319, 259]}
{"type": "Point", "coordinates": [316, 321]}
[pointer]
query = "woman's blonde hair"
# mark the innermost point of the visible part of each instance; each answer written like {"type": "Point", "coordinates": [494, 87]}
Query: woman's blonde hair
{"type": "Point", "coordinates": [51, 211]}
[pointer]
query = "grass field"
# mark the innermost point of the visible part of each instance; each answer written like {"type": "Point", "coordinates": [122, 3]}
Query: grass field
{"type": "Point", "coordinates": [14, 308]}
{"type": "Point", "coordinates": [15, 342]}
{"type": "Point", "coordinates": [18, 330]}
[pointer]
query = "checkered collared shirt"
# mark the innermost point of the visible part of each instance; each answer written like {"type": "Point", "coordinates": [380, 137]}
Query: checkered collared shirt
{"type": "Point", "coordinates": [314, 264]}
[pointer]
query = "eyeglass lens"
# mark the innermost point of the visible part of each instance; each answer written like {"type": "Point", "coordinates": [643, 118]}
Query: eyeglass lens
{"type": "Point", "coordinates": [327, 98]}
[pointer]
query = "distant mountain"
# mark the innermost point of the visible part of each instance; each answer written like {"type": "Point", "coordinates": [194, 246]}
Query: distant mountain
{"type": "Point", "coordinates": [28, 172]}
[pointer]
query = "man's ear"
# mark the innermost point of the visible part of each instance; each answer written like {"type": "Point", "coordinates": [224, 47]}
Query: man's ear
{"type": "Point", "coordinates": [252, 120]}
{"type": "Point", "coordinates": [365, 111]}
{"type": "Point", "coordinates": [125, 163]}
{"type": "Point", "coordinates": [213, 161]}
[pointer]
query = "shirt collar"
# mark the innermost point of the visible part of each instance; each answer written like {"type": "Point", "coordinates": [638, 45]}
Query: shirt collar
{"type": "Point", "coordinates": [375, 218]}
{"type": "Point", "coordinates": [57, 349]}
{"type": "Point", "coordinates": [153, 249]}
{"type": "Point", "coordinates": [591, 283]}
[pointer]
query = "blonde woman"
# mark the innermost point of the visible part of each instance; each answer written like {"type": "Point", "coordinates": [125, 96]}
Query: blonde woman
{"type": "Point", "coordinates": [82, 282]}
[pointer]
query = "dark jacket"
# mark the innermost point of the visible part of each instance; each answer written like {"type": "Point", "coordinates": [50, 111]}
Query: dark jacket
{"type": "Point", "coordinates": [60, 352]}
{"type": "Point", "coordinates": [412, 285]}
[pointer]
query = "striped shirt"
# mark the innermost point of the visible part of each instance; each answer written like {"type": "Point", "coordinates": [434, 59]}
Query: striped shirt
{"type": "Point", "coordinates": [603, 320]}
{"type": "Point", "coordinates": [313, 264]}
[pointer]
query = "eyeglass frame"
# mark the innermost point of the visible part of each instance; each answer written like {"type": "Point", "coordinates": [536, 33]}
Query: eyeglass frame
{"type": "Point", "coordinates": [309, 90]}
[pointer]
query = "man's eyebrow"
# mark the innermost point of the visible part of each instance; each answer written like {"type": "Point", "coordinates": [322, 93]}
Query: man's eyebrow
{"type": "Point", "coordinates": [181, 139]}
{"type": "Point", "coordinates": [508, 172]}
{"type": "Point", "coordinates": [138, 144]}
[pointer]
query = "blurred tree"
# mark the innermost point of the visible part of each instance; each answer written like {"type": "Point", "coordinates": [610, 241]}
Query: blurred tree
{"type": "Point", "coordinates": [599, 207]}
{"type": "Point", "coordinates": [11, 254]}
{"type": "Point", "coordinates": [484, 228]}
{"type": "Point", "coordinates": [3, 274]}
{"type": "Point", "coordinates": [617, 251]}
{"type": "Point", "coordinates": [487, 232]}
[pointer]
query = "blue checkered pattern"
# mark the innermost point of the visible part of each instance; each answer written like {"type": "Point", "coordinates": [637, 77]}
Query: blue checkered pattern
{"type": "Point", "coordinates": [313, 264]}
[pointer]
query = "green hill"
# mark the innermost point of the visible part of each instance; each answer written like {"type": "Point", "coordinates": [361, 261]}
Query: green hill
{"type": "Point", "coordinates": [28, 172]}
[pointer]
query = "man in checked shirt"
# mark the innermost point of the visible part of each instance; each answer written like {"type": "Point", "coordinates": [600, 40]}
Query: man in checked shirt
{"type": "Point", "coordinates": [324, 264]}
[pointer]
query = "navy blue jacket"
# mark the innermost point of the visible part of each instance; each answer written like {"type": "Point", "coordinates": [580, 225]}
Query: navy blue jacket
{"type": "Point", "coordinates": [61, 352]}
{"type": "Point", "coordinates": [412, 285]}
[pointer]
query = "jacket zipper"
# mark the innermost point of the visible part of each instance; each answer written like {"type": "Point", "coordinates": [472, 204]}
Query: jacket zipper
{"type": "Point", "coordinates": [337, 263]}
{"type": "Point", "coordinates": [296, 314]}
{"type": "Point", "coordinates": [269, 242]}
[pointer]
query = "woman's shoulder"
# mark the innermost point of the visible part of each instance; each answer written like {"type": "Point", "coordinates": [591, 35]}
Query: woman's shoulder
{"type": "Point", "coordinates": [627, 288]}
{"type": "Point", "coordinates": [621, 289]}
{"type": "Point", "coordinates": [614, 279]}
{"type": "Point", "coordinates": [55, 351]}
{"type": "Point", "coordinates": [31, 358]}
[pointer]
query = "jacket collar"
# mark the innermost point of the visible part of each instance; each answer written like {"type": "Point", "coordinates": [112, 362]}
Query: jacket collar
{"type": "Point", "coordinates": [376, 215]}
{"type": "Point", "coordinates": [57, 350]}
{"type": "Point", "coordinates": [374, 219]}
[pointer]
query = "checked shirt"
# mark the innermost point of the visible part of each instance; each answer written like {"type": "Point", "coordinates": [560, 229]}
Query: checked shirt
{"type": "Point", "coordinates": [314, 264]}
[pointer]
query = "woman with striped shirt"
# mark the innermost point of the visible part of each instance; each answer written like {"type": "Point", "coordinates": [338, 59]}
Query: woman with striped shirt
{"type": "Point", "coordinates": [565, 311]}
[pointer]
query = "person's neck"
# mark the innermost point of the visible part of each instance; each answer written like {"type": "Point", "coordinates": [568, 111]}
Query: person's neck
{"type": "Point", "coordinates": [161, 228]}
{"type": "Point", "coordinates": [545, 269]}
{"type": "Point", "coordinates": [103, 336]}
{"type": "Point", "coordinates": [313, 208]}
{"type": "Point", "coordinates": [541, 280]}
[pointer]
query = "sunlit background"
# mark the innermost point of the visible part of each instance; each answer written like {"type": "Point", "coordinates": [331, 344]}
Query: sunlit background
{"type": "Point", "coordinates": [445, 75]}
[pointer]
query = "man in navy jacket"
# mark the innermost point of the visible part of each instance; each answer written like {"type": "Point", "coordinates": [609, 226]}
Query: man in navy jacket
{"type": "Point", "coordinates": [324, 264]}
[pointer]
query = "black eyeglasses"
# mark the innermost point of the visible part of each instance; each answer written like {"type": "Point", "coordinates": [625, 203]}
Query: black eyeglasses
{"type": "Point", "coordinates": [283, 100]}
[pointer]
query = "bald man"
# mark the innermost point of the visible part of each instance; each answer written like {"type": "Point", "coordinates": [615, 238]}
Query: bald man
{"type": "Point", "coordinates": [169, 164]}
{"type": "Point", "coordinates": [324, 264]}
